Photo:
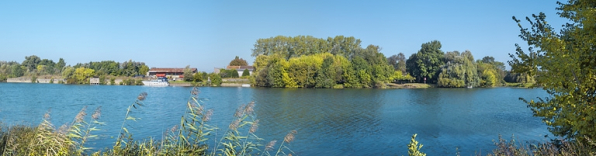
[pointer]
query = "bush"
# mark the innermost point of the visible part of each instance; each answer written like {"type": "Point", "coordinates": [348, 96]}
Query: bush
{"type": "Point", "coordinates": [33, 79]}
{"type": "Point", "coordinates": [245, 73]}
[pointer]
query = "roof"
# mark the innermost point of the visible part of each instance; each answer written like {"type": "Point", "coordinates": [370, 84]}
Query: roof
{"type": "Point", "coordinates": [241, 67]}
{"type": "Point", "coordinates": [171, 70]}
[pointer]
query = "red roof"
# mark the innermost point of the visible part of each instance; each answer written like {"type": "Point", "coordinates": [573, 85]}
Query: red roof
{"type": "Point", "coordinates": [170, 70]}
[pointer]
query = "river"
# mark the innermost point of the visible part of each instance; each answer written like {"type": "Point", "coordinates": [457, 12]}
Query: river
{"type": "Point", "coordinates": [328, 121]}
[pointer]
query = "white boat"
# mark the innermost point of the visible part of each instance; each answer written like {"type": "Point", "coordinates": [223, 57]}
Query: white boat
{"type": "Point", "coordinates": [245, 85]}
{"type": "Point", "coordinates": [160, 82]}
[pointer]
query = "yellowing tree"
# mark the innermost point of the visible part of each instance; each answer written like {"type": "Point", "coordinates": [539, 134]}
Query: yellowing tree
{"type": "Point", "coordinates": [82, 75]}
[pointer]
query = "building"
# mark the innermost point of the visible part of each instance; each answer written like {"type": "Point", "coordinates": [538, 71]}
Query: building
{"type": "Point", "coordinates": [241, 69]}
{"type": "Point", "coordinates": [173, 73]}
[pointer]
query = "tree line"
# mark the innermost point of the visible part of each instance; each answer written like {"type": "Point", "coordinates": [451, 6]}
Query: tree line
{"type": "Point", "coordinates": [308, 62]}
{"type": "Point", "coordinates": [80, 73]}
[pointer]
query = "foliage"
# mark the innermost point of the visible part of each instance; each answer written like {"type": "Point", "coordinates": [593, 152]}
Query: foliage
{"type": "Point", "coordinates": [245, 73]}
{"type": "Point", "coordinates": [188, 75]}
{"type": "Point", "coordinates": [563, 64]}
{"type": "Point", "coordinates": [427, 63]}
{"type": "Point", "coordinates": [303, 65]}
{"type": "Point", "coordinates": [82, 75]}
{"type": "Point", "coordinates": [413, 148]}
{"type": "Point", "coordinates": [33, 79]}
{"type": "Point", "coordinates": [232, 73]}
{"type": "Point", "coordinates": [288, 47]}
{"type": "Point", "coordinates": [238, 62]}
{"type": "Point", "coordinates": [197, 77]}
{"type": "Point", "coordinates": [215, 79]}
{"type": "Point", "coordinates": [459, 71]}
{"type": "Point", "coordinates": [398, 62]}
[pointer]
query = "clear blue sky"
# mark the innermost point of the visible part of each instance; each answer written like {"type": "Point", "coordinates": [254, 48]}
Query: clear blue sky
{"type": "Point", "coordinates": [208, 34]}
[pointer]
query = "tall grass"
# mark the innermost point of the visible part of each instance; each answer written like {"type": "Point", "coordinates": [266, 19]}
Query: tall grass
{"type": "Point", "coordinates": [192, 136]}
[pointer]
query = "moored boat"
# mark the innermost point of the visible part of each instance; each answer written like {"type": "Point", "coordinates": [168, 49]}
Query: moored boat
{"type": "Point", "coordinates": [160, 82]}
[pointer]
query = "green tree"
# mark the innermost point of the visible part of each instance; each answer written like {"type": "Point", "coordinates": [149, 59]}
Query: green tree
{"type": "Point", "coordinates": [563, 65]}
{"type": "Point", "coordinates": [238, 62]}
{"type": "Point", "coordinates": [31, 62]}
{"type": "Point", "coordinates": [233, 73]}
{"type": "Point", "coordinates": [459, 71]}
{"type": "Point", "coordinates": [429, 60]}
{"type": "Point", "coordinates": [17, 70]}
{"type": "Point", "coordinates": [143, 70]}
{"type": "Point", "coordinates": [245, 73]}
{"type": "Point", "coordinates": [187, 73]}
{"type": "Point", "coordinates": [197, 77]}
{"type": "Point", "coordinates": [215, 79]}
{"type": "Point", "coordinates": [398, 62]}
{"type": "Point", "coordinates": [59, 66]}
{"type": "Point", "coordinates": [68, 72]}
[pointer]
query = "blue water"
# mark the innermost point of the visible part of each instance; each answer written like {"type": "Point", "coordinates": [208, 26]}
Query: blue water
{"type": "Point", "coordinates": [328, 122]}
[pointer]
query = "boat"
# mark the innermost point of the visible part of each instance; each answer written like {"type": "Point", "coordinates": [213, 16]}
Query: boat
{"type": "Point", "coordinates": [159, 82]}
{"type": "Point", "coordinates": [245, 85]}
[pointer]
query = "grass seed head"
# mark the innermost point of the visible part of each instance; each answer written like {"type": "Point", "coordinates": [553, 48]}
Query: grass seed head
{"type": "Point", "coordinates": [270, 145]}
{"type": "Point", "coordinates": [234, 124]}
{"type": "Point", "coordinates": [96, 113]}
{"type": "Point", "coordinates": [81, 115]}
{"type": "Point", "coordinates": [290, 136]}
{"type": "Point", "coordinates": [208, 115]}
{"type": "Point", "coordinates": [254, 126]}
{"type": "Point", "coordinates": [249, 108]}
{"type": "Point", "coordinates": [240, 111]}
{"type": "Point", "coordinates": [142, 96]}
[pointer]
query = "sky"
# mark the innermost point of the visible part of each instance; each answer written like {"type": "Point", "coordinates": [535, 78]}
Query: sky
{"type": "Point", "coordinates": [209, 34]}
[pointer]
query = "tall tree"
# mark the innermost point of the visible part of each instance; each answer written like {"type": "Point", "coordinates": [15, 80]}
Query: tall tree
{"type": "Point", "coordinates": [187, 73]}
{"type": "Point", "coordinates": [429, 60]}
{"type": "Point", "coordinates": [563, 65]}
{"type": "Point", "coordinates": [238, 62]}
{"type": "Point", "coordinates": [31, 62]}
{"type": "Point", "coordinates": [398, 62]}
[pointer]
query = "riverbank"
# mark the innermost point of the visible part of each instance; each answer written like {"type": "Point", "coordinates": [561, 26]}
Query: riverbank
{"type": "Point", "coordinates": [410, 85]}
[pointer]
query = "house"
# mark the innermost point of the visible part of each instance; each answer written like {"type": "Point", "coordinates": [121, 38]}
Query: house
{"type": "Point", "coordinates": [173, 73]}
{"type": "Point", "coordinates": [241, 69]}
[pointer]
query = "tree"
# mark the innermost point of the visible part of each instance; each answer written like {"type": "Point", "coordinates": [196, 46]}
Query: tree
{"type": "Point", "coordinates": [60, 65]}
{"type": "Point", "coordinates": [197, 77]}
{"type": "Point", "coordinates": [215, 79]}
{"type": "Point", "coordinates": [187, 73]}
{"type": "Point", "coordinates": [82, 75]}
{"type": "Point", "coordinates": [245, 73]}
{"type": "Point", "coordinates": [459, 71]}
{"type": "Point", "coordinates": [398, 62]}
{"type": "Point", "coordinates": [429, 60]}
{"type": "Point", "coordinates": [563, 65]}
{"type": "Point", "coordinates": [31, 62]}
{"type": "Point", "coordinates": [238, 62]}
{"type": "Point", "coordinates": [233, 73]}
{"type": "Point", "coordinates": [143, 70]}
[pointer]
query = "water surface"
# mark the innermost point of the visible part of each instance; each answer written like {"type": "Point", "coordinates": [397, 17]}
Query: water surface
{"type": "Point", "coordinates": [329, 122]}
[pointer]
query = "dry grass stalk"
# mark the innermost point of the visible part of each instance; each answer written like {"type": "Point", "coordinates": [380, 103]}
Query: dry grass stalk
{"type": "Point", "coordinates": [254, 126]}
{"type": "Point", "coordinates": [96, 113]}
{"type": "Point", "coordinates": [207, 115]}
{"type": "Point", "coordinates": [270, 145]}
{"type": "Point", "coordinates": [290, 136]}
